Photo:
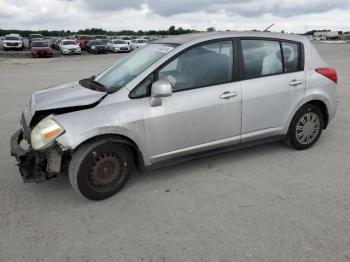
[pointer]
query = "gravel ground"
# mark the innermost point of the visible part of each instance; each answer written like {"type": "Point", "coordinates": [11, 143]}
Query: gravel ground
{"type": "Point", "coordinates": [267, 203]}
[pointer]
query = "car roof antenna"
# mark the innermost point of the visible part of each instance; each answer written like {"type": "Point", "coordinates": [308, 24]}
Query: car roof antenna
{"type": "Point", "coordinates": [268, 27]}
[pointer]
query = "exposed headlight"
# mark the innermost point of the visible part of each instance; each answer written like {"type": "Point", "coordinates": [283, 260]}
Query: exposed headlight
{"type": "Point", "coordinates": [93, 47]}
{"type": "Point", "coordinates": [45, 133]}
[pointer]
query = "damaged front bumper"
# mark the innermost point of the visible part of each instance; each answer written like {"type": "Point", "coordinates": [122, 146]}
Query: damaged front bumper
{"type": "Point", "coordinates": [36, 166]}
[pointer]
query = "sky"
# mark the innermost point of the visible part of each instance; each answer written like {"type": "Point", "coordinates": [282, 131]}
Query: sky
{"type": "Point", "coordinates": [295, 16]}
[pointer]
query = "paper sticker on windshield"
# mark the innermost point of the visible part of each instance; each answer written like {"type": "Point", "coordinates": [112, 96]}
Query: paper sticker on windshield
{"type": "Point", "coordinates": [163, 49]}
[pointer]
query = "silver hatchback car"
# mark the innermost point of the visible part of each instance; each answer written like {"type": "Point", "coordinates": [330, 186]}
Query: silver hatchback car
{"type": "Point", "coordinates": [175, 99]}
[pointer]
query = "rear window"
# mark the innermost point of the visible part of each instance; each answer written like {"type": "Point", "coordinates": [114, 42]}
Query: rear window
{"type": "Point", "coordinates": [40, 44]}
{"type": "Point", "coordinates": [290, 56]}
{"type": "Point", "coordinates": [269, 57]}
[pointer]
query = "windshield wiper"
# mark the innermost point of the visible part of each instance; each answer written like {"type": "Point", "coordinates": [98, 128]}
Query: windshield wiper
{"type": "Point", "coordinates": [92, 84]}
{"type": "Point", "coordinates": [97, 83]}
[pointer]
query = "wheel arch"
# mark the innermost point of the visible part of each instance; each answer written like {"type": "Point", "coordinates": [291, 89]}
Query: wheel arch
{"type": "Point", "coordinates": [318, 101]}
{"type": "Point", "coordinates": [113, 137]}
{"type": "Point", "coordinates": [324, 109]}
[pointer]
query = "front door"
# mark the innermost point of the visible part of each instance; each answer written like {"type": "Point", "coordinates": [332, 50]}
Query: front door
{"type": "Point", "coordinates": [205, 108]}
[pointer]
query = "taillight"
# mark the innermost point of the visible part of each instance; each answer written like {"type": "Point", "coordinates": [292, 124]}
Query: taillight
{"type": "Point", "coordinates": [329, 73]}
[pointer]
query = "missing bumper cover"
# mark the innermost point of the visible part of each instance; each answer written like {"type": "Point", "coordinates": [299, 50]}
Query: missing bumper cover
{"type": "Point", "coordinates": [35, 166]}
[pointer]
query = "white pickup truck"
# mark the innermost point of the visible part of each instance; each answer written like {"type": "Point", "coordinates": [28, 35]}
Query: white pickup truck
{"type": "Point", "coordinates": [13, 41]}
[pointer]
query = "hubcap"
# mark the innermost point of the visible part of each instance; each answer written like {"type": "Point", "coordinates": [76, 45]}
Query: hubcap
{"type": "Point", "coordinates": [106, 172]}
{"type": "Point", "coordinates": [308, 128]}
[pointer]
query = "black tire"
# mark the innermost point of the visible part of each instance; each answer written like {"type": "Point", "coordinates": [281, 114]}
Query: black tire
{"type": "Point", "coordinates": [292, 139]}
{"type": "Point", "coordinates": [100, 169]}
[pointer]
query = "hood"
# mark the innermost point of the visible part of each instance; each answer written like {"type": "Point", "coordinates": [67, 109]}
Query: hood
{"type": "Point", "coordinates": [63, 98]}
{"type": "Point", "coordinates": [120, 45]}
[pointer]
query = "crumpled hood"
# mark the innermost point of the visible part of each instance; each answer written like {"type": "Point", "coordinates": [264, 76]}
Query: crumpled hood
{"type": "Point", "coordinates": [69, 95]}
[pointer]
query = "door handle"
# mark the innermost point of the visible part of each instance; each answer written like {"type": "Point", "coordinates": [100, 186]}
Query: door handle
{"type": "Point", "coordinates": [228, 95]}
{"type": "Point", "coordinates": [295, 83]}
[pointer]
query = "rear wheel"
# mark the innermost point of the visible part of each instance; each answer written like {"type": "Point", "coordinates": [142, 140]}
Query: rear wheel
{"type": "Point", "coordinates": [100, 169]}
{"type": "Point", "coordinates": [306, 127]}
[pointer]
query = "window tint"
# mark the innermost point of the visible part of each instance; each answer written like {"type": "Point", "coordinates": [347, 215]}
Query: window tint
{"type": "Point", "coordinates": [291, 57]}
{"type": "Point", "coordinates": [261, 57]}
{"type": "Point", "coordinates": [205, 65]}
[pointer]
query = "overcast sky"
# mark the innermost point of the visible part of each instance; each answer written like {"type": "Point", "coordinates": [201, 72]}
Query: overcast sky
{"type": "Point", "coordinates": [287, 15]}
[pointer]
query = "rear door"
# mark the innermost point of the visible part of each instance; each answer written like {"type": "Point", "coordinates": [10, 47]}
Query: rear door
{"type": "Point", "coordinates": [273, 84]}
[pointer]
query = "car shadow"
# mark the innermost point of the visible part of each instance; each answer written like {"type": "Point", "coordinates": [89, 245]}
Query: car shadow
{"type": "Point", "coordinates": [218, 161]}
{"type": "Point", "coordinates": [60, 187]}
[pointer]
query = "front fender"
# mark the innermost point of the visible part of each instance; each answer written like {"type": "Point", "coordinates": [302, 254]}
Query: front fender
{"type": "Point", "coordinates": [123, 118]}
{"type": "Point", "coordinates": [71, 140]}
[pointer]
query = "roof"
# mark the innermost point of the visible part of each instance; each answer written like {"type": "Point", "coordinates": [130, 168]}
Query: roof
{"type": "Point", "coordinates": [197, 37]}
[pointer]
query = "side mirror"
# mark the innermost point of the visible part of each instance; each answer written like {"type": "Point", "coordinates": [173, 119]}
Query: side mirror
{"type": "Point", "coordinates": [160, 88]}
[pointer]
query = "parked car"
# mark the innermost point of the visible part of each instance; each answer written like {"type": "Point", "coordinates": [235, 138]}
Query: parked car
{"type": "Point", "coordinates": [176, 99]}
{"type": "Point", "coordinates": [55, 44]}
{"type": "Point", "coordinates": [97, 47]}
{"type": "Point", "coordinates": [138, 43]}
{"type": "Point", "coordinates": [101, 37]}
{"type": "Point", "coordinates": [126, 39]}
{"type": "Point", "coordinates": [35, 37]}
{"type": "Point", "coordinates": [83, 41]}
{"type": "Point", "coordinates": [13, 41]}
{"type": "Point", "coordinates": [117, 45]}
{"type": "Point", "coordinates": [69, 46]}
{"type": "Point", "coordinates": [41, 49]}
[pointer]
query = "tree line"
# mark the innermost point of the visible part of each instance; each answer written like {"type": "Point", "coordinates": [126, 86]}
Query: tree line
{"type": "Point", "coordinates": [97, 31]}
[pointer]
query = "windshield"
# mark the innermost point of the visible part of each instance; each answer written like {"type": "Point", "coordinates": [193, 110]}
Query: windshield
{"type": "Point", "coordinates": [118, 42]}
{"type": "Point", "coordinates": [141, 41]}
{"type": "Point", "coordinates": [126, 38]}
{"type": "Point", "coordinates": [101, 37]}
{"type": "Point", "coordinates": [120, 74]}
{"type": "Point", "coordinates": [96, 42]}
{"type": "Point", "coordinates": [11, 38]}
{"type": "Point", "coordinates": [40, 44]}
{"type": "Point", "coordinates": [103, 41]}
{"type": "Point", "coordinates": [35, 36]}
{"type": "Point", "coordinates": [69, 43]}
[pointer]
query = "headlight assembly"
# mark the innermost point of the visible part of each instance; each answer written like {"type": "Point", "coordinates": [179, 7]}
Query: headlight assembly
{"type": "Point", "coordinates": [45, 133]}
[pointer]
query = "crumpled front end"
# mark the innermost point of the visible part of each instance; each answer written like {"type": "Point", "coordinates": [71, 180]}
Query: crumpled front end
{"type": "Point", "coordinates": [36, 166]}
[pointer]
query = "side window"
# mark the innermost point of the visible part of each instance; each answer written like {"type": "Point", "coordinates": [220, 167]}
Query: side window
{"type": "Point", "coordinates": [205, 65]}
{"type": "Point", "coordinates": [291, 56]}
{"type": "Point", "coordinates": [261, 57]}
{"type": "Point", "coordinates": [144, 88]}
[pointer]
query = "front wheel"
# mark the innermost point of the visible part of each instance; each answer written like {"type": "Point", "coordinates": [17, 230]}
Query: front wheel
{"type": "Point", "coordinates": [100, 169]}
{"type": "Point", "coordinates": [306, 127]}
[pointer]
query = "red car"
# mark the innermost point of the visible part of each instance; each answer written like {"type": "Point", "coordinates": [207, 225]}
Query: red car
{"type": "Point", "coordinates": [41, 49]}
{"type": "Point", "coordinates": [83, 41]}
